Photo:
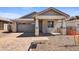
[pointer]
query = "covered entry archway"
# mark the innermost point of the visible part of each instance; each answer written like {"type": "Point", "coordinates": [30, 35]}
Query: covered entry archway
{"type": "Point", "coordinates": [44, 22]}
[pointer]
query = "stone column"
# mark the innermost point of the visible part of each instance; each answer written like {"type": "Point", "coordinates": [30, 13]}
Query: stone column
{"type": "Point", "coordinates": [36, 27]}
{"type": "Point", "coordinates": [14, 27]}
{"type": "Point", "coordinates": [45, 26]}
{"type": "Point", "coordinates": [64, 27]}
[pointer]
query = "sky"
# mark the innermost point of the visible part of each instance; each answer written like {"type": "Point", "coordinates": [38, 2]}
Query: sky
{"type": "Point", "coordinates": [16, 12]}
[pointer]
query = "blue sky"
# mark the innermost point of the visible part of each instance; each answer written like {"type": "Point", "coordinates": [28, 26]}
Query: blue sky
{"type": "Point", "coordinates": [15, 12]}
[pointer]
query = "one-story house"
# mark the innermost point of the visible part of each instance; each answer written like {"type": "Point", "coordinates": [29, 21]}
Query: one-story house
{"type": "Point", "coordinates": [4, 23]}
{"type": "Point", "coordinates": [50, 20]}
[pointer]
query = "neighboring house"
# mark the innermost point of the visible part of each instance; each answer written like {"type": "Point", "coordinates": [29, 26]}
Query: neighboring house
{"type": "Point", "coordinates": [73, 24]}
{"type": "Point", "coordinates": [4, 23]}
{"type": "Point", "coordinates": [73, 21]}
{"type": "Point", "coordinates": [49, 20]}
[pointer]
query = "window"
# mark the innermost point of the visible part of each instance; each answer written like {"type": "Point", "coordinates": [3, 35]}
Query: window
{"type": "Point", "coordinates": [78, 25]}
{"type": "Point", "coordinates": [50, 23]}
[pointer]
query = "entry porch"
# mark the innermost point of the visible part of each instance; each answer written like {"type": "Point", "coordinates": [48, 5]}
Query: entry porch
{"type": "Point", "coordinates": [50, 24]}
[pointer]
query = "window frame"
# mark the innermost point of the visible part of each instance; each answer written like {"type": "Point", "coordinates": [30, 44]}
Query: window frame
{"type": "Point", "coordinates": [50, 24]}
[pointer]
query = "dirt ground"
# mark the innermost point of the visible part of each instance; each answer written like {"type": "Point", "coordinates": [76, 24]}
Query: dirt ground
{"type": "Point", "coordinates": [11, 42]}
{"type": "Point", "coordinates": [59, 43]}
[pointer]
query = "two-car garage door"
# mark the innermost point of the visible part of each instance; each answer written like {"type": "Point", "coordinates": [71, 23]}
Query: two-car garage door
{"type": "Point", "coordinates": [24, 27]}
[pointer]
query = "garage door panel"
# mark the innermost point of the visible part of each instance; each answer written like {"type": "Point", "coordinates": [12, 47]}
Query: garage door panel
{"type": "Point", "coordinates": [25, 27]}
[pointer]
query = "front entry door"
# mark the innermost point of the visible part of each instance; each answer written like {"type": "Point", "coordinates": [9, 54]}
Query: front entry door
{"type": "Point", "coordinates": [40, 26]}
